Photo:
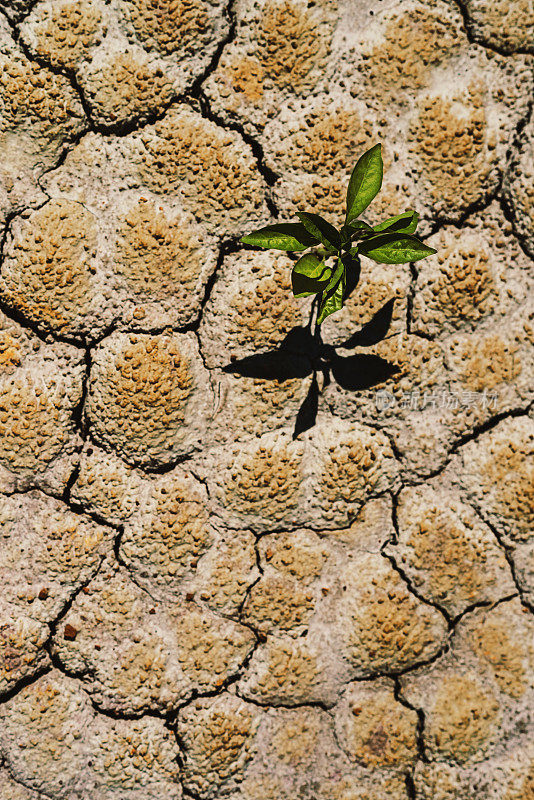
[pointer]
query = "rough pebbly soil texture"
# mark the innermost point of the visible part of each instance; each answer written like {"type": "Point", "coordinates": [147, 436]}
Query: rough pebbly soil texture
{"type": "Point", "coordinates": [194, 605]}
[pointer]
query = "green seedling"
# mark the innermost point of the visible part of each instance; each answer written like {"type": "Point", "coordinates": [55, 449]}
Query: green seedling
{"type": "Point", "coordinates": [330, 269]}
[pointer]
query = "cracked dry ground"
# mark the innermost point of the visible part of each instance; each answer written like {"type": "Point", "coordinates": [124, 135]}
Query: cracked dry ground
{"type": "Point", "coordinates": [193, 604]}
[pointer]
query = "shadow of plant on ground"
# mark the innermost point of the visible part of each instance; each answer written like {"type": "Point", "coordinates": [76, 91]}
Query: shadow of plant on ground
{"type": "Point", "coordinates": [303, 353]}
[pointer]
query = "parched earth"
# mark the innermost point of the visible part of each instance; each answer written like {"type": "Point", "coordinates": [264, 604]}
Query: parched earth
{"type": "Point", "coordinates": [194, 604]}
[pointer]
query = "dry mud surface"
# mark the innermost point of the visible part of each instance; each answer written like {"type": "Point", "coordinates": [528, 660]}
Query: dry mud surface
{"type": "Point", "coordinates": [194, 604]}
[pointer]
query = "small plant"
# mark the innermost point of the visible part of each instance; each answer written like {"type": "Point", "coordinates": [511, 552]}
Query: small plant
{"type": "Point", "coordinates": [330, 271]}
{"type": "Point", "coordinates": [331, 268]}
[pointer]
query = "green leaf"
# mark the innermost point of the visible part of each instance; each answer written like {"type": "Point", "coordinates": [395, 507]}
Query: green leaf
{"type": "Point", "coordinates": [365, 182]}
{"type": "Point", "coordinates": [345, 234]}
{"type": "Point", "coordinates": [357, 229]}
{"type": "Point", "coordinates": [352, 266]}
{"type": "Point", "coordinates": [321, 229]}
{"type": "Point", "coordinates": [336, 275]}
{"type": "Point", "coordinates": [310, 275]}
{"type": "Point", "coordinates": [282, 236]}
{"type": "Point", "coordinates": [394, 248]}
{"type": "Point", "coordinates": [404, 223]}
{"type": "Point", "coordinates": [332, 301]}
{"type": "Point", "coordinates": [358, 226]}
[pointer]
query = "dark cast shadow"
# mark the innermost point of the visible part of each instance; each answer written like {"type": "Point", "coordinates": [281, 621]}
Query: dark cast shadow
{"type": "Point", "coordinates": [303, 353]}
